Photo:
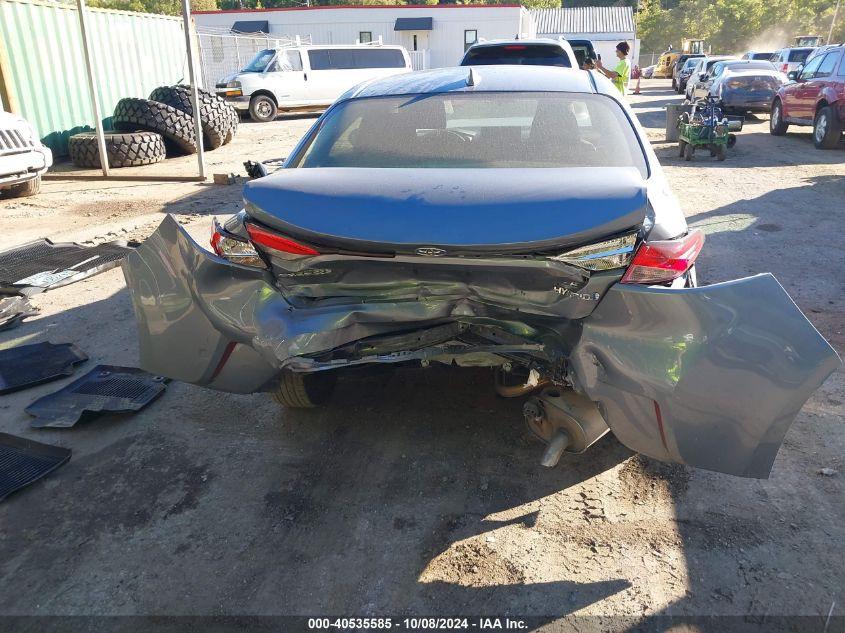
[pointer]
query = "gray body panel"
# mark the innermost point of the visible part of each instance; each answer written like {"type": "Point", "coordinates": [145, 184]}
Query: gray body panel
{"type": "Point", "coordinates": [728, 365]}
{"type": "Point", "coordinates": [711, 377]}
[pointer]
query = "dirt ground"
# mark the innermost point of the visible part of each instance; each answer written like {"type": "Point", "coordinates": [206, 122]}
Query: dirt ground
{"type": "Point", "coordinates": [419, 492]}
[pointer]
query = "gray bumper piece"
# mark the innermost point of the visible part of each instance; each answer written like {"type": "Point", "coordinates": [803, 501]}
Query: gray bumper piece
{"type": "Point", "coordinates": [711, 377]}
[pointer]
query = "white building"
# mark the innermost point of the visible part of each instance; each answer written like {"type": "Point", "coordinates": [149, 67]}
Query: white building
{"type": "Point", "coordinates": [605, 26]}
{"type": "Point", "coordinates": [435, 35]}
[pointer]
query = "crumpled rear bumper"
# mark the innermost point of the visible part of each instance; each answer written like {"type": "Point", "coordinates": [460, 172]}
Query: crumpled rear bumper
{"type": "Point", "coordinates": [711, 377]}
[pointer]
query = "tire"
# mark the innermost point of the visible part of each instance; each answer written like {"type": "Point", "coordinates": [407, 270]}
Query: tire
{"type": "Point", "coordinates": [689, 152]}
{"type": "Point", "coordinates": [174, 125]}
{"type": "Point", "coordinates": [263, 109]}
{"type": "Point", "coordinates": [129, 149]}
{"type": "Point", "coordinates": [24, 189]}
{"type": "Point", "coordinates": [217, 116]}
{"type": "Point", "coordinates": [826, 129]}
{"type": "Point", "coordinates": [674, 84]}
{"type": "Point", "coordinates": [304, 391]}
{"type": "Point", "coordinates": [777, 126]}
{"type": "Point", "coordinates": [682, 146]}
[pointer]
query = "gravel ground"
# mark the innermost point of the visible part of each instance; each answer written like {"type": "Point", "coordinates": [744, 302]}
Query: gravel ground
{"type": "Point", "coordinates": [419, 491]}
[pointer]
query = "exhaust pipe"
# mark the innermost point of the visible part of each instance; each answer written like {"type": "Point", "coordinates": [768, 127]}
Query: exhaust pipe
{"type": "Point", "coordinates": [566, 421]}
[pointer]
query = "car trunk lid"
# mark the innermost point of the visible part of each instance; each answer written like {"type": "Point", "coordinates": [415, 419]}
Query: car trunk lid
{"type": "Point", "coordinates": [458, 211]}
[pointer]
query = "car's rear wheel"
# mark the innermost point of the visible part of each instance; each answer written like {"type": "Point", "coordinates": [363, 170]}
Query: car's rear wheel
{"type": "Point", "coordinates": [777, 125]}
{"type": "Point", "coordinates": [826, 129]}
{"type": "Point", "coordinates": [304, 391]}
{"type": "Point", "coordinates": [262, 109]}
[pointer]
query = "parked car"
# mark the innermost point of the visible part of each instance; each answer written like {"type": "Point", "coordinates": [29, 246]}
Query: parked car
{"type": "Point", "coordinates": [534, 52]}
{"type": "Point", "coordinates": [307, 77]}
{"type": "Point", "coordinates": [685, 72]}
{"type": "Point", "coordinates": [757, 55]}
{"type": "Point", "coordinates": [815, 96]}
{"type": "Point", "coordinates": [741, 90]}
{"type": "Point", "coordinates": [515, 218]}
{"type": "Point", "coordinates": [648, 72]}
{"type": "Point", "coordinates": [821, 50]}
{"type": "Point", "coordinates": [713, 81]}
{"type": "Point", "coordinates": [789, 59]}
{"type": "Point", "coordinates": [701, 72]}
{"type": "Point", "coordinates": [23, 158]}
{"type": "Point", "coordinates": [679, 64]}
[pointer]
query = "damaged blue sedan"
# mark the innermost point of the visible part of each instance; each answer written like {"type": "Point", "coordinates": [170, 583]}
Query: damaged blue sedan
{"type": "Point", "coordinates": [506, 217]}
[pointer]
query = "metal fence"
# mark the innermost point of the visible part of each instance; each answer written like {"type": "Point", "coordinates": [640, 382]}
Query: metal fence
{"type": "Point", "coordinates": [42, 72]}
{"type": "Point", "coordinates": [648, 59]}
{"type": "Point", "coordinates": [224, 53]}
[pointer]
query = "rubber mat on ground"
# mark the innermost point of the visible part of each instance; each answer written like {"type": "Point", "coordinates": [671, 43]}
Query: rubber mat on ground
{"type": "Point", "coordinates": [23, 461]}
{"type": "Point", "coordinates": [28, 365]}
{"type": "Point", "coordinates": [104, 388]}
{"type": "Point", "coordinates": [42, 265]}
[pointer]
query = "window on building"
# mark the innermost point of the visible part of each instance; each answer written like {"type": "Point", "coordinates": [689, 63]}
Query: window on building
{"type": "Point", "coordinates": [470, 38]}
{"type": "Point", "coordinates": [365, 37]}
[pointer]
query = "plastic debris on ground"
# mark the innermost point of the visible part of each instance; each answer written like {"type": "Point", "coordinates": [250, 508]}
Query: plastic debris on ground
{"type": "Point", "coordinates": [42, 265]}
{"type": "Point", "coordinates": [13, 310]}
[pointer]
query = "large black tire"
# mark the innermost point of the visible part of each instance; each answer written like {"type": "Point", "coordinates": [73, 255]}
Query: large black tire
{"type": "Point", "coordinates": [827, 129]}
{"type": "Point", "coordinates": [777, 126]}
{"type": "Point", "coordinates": [304, 391]}
{"type": "Point", "coordinates": [24, 189]}
{"type": "Point", "coordinates": [218, 118]}
{"type": "Point", "coordinates": [175, 126]}
{"type": "Point", "coordinates": [128, 149]}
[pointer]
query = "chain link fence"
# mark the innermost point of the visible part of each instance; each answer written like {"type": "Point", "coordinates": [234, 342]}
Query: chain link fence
{"type": "Point", "coordinates": [223, 53]}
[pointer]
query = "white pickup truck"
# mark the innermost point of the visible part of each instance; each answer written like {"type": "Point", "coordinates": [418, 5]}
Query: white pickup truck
{"type": "Point", "coordinates": [22, 157]}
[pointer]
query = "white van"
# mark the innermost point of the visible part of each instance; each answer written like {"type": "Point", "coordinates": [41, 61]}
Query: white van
{"type": "Point", "coordinates": [307, 77]}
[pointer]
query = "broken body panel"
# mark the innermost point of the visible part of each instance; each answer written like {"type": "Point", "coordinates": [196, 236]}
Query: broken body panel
{"type": "Point", "coordinates": [711, 377]}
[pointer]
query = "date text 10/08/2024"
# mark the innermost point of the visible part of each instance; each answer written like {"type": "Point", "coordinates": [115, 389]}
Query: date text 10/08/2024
{"type": "Point", "coordinates": [417, 624]}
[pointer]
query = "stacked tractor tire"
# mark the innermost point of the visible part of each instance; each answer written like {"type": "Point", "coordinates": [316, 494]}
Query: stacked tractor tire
{"type": "Point", "coordinates": [149, 130]}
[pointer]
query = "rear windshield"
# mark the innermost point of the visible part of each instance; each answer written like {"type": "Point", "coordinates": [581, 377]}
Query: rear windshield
{"type": "Point", "coordinates": [493, 129]}
{"type": "Point", "coordinates": [800, 55]}
{"type": "Point", "coordinates": [763, 56]}
{"type": "Point", "coordinates": [345, 59]}
{"type": "Point", "coordinates": [517, 54]}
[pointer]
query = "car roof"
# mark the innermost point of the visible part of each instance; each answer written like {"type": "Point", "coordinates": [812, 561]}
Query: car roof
{"type": "Point", "coordinates": [537, 40]}
{"type": "Point", "coordinates": [333, 46]}
{"type": "Point", "coordinates": [491, 78]}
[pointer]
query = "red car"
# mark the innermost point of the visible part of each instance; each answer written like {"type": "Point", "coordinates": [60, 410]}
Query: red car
{"type": "Point", "coordinates": [815, 96]}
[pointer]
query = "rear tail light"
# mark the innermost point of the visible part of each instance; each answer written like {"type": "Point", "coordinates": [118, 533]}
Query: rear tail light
{"type": "Point", "coordinates": [784, 68]}
{"type": "Point", "coordinates": [665, 260]}
{"type": "Point", "coordinates": [236, 250]}
{"type": "Point", "coordinates": [282, 246]}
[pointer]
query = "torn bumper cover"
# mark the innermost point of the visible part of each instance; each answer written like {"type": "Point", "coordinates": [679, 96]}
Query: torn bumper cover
{"type": "Point", "coordinates": [711, 377]}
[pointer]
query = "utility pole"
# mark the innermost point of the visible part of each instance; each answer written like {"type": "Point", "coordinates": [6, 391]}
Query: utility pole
{"type": "Point", "coordinates": [832, 22]}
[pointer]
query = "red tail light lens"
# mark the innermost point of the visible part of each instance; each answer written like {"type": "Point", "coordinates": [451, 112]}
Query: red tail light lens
{"type": "Point", "coordinates": [662, 261]}
{"type": "Point", "coordinates": [515, 47]}
{"type": "Point", "coordinates": [784, 68]}
{"type": "Point", "coordinates": [278, 242]}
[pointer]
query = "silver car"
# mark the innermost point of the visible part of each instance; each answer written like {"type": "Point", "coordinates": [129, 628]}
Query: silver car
{"type": "Point", "coordinates": [512, 217]}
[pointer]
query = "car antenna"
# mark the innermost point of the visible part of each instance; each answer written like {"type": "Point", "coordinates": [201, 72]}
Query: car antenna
{"type": "Point", "coordinates": [470, 78]}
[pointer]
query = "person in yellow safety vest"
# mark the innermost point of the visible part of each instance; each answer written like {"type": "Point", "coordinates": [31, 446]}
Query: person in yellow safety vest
{"type": "Point", "coordinates": [622, 72]}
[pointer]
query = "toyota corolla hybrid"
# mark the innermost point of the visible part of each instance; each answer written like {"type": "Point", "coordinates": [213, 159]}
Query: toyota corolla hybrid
{"type": "Point", "coordinates": [499, 216]}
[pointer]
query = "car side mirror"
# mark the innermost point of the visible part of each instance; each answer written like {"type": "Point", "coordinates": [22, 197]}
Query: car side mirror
{"type": "Point", "coordinates": [792, 75]}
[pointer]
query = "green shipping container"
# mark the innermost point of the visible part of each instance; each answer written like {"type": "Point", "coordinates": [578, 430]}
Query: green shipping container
{"type": "Point", "coordinates": [42, 73]}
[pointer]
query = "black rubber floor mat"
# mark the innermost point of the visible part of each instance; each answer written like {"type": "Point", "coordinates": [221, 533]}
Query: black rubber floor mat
{"type": "Point", "coordinates": [42, 265]}
{"type": "Point", "coordinates": [104, 388]}
{"type": "Point", "coordinates": [23, 461]}
{"type": "Point", "coordinates": [28, 365]}
{"type": "Point", "coordinates": [13, 310]}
